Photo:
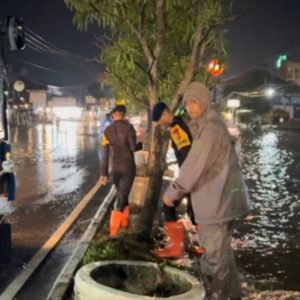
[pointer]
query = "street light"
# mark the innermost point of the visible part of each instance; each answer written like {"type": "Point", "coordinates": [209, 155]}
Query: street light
{"type": "Point", "coordinates": [270, 92]}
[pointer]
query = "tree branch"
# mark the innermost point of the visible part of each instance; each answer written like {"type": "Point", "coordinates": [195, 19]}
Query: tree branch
{"type": "Point", "coordinates": [160, 29]}
{"type": "Point", "coordinates": [99, 11]}
{"type": "Point", "coordinates": [141, 67]}
{"type": "Point", "coordinates": [142, 18]}
{"type": "Point", "coordinates": [135, 62]}
{"type": "Point", "coordinates": [139, 35]}
{"type": "Point", "coordinates": [190, 69]}
{"type": "Point", "coordinates": [130, 90]}
{"type": "Point", "coordinates": [160, 34]}
{"type": "Point", "coordinates": [103, 41]}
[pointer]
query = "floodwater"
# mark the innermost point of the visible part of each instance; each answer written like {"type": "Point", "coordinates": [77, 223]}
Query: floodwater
{"type": "Point", "coordinates": [55, 165]}
{"type": "Point", "coordinates": [268, 246]}
{"type": "Point", "coordinates": [51, 160]}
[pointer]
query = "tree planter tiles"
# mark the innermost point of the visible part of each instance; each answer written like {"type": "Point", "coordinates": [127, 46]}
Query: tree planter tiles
{"type": "Point", "coordinates": [139, 190]}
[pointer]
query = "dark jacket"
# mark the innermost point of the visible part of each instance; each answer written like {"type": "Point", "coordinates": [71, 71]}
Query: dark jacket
{"type": "Point", "coordinates": [120, 138]}
{"type": "Point", "coordinates": [181, 138]}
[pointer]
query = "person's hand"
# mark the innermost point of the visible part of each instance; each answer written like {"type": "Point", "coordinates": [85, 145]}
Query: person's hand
{"type": "Point", "coordinates": [103, 180]}
{"type": "Point", "coordinates": [167, 201]}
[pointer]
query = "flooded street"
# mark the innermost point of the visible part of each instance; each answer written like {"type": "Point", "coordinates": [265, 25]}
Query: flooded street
{"type": "Point", "coordinates": [52, 161]}
{"type": "Point", "coordinates": [55, 167]}
{"type": "Point", "coordinates": [269, 245]}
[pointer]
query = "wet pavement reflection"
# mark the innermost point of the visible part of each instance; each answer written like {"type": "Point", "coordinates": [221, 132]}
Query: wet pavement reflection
{"type": "Point", "coordinates": [268, 246]}
{"type": "Point", "coordinates": [56, 165]}
{"type": "Point", "coordinates": [48, 158]}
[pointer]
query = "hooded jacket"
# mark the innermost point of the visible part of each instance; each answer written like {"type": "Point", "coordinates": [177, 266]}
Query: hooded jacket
{"type": "Point", "coordinates": [211, 172]}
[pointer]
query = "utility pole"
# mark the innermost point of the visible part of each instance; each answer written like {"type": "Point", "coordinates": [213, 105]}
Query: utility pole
{"type": "Point", "coordinates": [12, 30]}
{"type": "Point", "coordinates": [3, 94]}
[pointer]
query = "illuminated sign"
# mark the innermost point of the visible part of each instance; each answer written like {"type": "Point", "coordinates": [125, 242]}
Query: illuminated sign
{"type": "Point", "coordinates": [233, 103]}
{"type": "Point", "coordinates": [279, 61]}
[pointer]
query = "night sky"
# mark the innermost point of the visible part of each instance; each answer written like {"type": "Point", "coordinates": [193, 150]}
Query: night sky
{"type": "Point", "coordinates": [262, 30]}
{"type": "Point", "coordinates": [52, 20]}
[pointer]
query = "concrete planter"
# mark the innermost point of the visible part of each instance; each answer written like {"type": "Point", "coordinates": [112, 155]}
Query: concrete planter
{"type": "Point", "coordinates": [141, 157]}
{"type": "Point", "coordinates": [134, 280]}
{"type": "Point", "coordinates": [139, 190]}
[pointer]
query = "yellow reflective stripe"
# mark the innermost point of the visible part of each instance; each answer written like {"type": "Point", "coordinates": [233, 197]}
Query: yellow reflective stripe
{"type": "Point", "coordinates": [179, 137]}
{"type": "Point", "coordinates": [104, 140]}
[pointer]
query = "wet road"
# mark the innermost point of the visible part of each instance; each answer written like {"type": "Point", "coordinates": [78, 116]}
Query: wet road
{"type": "Point", "coordinates": [55, 167]}
{"type": "Point", "coordinates": [269, 245]}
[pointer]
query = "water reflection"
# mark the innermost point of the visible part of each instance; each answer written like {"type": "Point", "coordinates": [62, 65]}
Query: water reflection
{"type": "Point", "coordinates": [270, 247]}
{"type": "Point", "coordinates": [47, 158]}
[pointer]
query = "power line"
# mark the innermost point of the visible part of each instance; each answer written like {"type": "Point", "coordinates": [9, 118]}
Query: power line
{"type": "Point", "coordinates": [50, 47]}
{"type": "Point", "coordinates": [39, 66]}
{"type": "Point", "coordinates": [41, 45]}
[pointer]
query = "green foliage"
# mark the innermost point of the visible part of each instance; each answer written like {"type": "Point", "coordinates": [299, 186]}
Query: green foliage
{"type": "Point", "coordinates": [157, 48]}
{"type": "Point", "coordinates": [100, 251]}
{"type": "Point", "coordinates": [123, 247]}
{"type": "Point", "coordinates": [126, 64]}
{"type": "Point", "coordinates": [124, 75]}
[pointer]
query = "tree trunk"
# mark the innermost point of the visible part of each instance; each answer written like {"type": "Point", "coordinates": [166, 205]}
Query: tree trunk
{"type": "Point", "coordinates": [156, 170]}
{"type": "Point", "coordinates": [158, 146]}
{"type": "Point", "coordinates": [156, 167]}
{"type": "Point", "coordinates": [147, 140]}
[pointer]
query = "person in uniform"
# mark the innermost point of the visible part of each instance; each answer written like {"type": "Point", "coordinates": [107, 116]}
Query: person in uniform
{"type": "Point", "coordinates": [119, 138]}
{"type": "Point", "coordinates": [181, 140]}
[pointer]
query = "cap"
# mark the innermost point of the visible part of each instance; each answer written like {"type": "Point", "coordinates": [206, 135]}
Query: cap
{"type": "Point", "coordinates": [157, 111]}
{"type": "Point", "coordinates": [120, 108]}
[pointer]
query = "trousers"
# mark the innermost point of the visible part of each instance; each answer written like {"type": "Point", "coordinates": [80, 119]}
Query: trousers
{"type": "Point", "coordinates": [123, 183]}
{"type": "Point", "coordinates": [218, 263]}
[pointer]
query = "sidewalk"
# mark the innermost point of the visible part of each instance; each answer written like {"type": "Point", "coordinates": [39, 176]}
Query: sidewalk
{"type": "Point", "coordinates": [189, 263]}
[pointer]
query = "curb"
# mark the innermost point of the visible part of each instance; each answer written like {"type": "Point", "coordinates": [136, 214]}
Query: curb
{"type": "Point", "coordinates": [65, 277]}
{"type": "Point", "coordinates": [18, 282]}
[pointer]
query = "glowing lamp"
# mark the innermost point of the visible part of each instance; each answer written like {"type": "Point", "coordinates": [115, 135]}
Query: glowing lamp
{"type": "Point", "coordinates": [215, 68]}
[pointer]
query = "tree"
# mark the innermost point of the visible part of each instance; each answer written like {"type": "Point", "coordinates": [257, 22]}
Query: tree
{"type": "Point", "coordinates": [157, 48]}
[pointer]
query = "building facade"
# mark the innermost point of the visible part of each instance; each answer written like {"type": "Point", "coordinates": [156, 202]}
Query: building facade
{"type": "Point", "coordinates": [290, 71]}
